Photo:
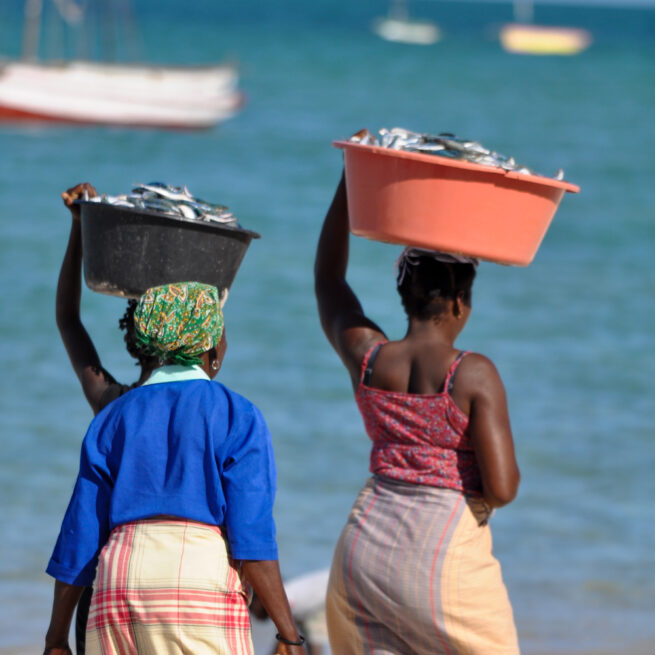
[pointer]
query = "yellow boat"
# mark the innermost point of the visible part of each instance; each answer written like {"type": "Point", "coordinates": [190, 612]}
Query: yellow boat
{"type": "Point", "coordinates": [525, 38]}
{"type": "Point", "coordinates": [541, 40]}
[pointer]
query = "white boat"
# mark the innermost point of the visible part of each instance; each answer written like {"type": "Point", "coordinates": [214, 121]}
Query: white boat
{"type": "Point", "coordinates": [113, 94]}
{"type": "Point", "coordinates": [103, 93]}
{"type": "Point", "coordinates": [399, 27]}
{"type": "Point", "coordinates": [523, 37]}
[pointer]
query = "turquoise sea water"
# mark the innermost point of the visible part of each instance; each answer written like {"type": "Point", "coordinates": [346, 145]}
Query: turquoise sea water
{"type": "Point", "coordinates": [571, 334]}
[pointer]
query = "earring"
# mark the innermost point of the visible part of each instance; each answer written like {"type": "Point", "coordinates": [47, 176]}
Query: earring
{"type": "Point", "coordinates": [215, 365]}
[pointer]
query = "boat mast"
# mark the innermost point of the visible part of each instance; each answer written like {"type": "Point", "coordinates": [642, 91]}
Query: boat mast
{"type": "Point", "coordinates": [523, 11]}
{"type": "Point", "coordinates": [31, 29]}
{"type": "Point", "coordinates": [398, 10]}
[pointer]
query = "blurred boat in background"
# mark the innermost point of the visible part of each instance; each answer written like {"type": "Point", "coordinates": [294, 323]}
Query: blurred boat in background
{"type": "Point", "coordinates": [83, 91]}
{"type": "Point", "coordinates": [522, 37]}
{"type": "Point", "coordinates": [113, 94]}
{"type": "Point", "coordinates": [397, 26]}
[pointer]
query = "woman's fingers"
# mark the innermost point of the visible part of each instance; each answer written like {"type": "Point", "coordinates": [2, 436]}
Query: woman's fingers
{"type": "Point", "coordinates": [84, 189]}
{"type": "Point", "coordinates": [90, 190]}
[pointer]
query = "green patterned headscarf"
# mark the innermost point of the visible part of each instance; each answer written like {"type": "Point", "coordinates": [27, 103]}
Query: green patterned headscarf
{"type": "Point", "coordinates": [178, 322]}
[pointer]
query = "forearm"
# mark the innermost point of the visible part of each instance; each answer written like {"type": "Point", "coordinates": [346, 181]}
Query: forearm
{"type": "Point", "coordinates": [341, 314]}
{"type": "Point", "coordinates": [69, 285]}
{"type": "Point", "coordinates": [265, 578]}
{"type": "Point", "coordinates": [333, 244]}
{"type": "Point", "coordinates": [65, 600]}
{"type": "Point", "coordinates": [81, 350]}
{"type": "Point", "coordinates": [336, 299]}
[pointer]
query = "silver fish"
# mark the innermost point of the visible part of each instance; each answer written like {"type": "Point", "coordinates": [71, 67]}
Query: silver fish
{"type": "Point", "coordinates": [187, 210]}
{"type": "Point", "coordinates": [443, 145]}
{"type": "Point", "coordinates": [171, 201]}
{"type": "Point", "coordinates": [165, 190]}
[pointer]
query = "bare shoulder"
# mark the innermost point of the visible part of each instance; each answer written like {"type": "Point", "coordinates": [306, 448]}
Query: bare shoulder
{"type": "Point", "coordinates": [478, 363]}
{"type": "Point", "coordinates": [113, 391]}
{"type": "Point", "coordinates": [353, 346]}
{"type": "Point", "coordinates": [477, 374]}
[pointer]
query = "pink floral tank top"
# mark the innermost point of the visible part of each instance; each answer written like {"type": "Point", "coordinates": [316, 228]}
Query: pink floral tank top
{"type": "Point", "coordinates": [418, 438]}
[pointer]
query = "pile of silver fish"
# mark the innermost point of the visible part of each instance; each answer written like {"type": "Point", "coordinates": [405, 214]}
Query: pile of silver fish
{"type": "Point", "coordinates": [443, 145]}
{"type": "Point", "coordinates": [170, 200]}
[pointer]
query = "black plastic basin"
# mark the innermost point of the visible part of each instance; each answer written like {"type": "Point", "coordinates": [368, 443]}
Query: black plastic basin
{"type": "Point", "coordinates": [127, 251]}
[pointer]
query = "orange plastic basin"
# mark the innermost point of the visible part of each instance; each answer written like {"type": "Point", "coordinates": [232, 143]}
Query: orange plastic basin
{"type": "Point", "coordinates": [446, 204]}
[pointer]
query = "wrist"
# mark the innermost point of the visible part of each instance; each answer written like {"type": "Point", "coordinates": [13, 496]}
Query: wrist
{"type": "Point", "coordinates": [56, 638]}
{"type": "Point", "coordinates": [297, 640]}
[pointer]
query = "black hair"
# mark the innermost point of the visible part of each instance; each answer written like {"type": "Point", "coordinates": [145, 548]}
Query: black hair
{"type": "Point", "coordinates": [134, 348]}
{"type": "Point", "coordinates": [428, 285]}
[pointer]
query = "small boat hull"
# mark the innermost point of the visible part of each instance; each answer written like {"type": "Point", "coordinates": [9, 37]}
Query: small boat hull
{"type": "Point", "coordinates": [415, 32]}
{"type": "Point", "coordinates": [539, 40]}
{"type": "Point", "coordinates": [124, 95]}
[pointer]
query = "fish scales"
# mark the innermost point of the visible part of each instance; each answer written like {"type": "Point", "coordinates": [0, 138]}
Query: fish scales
{"type": "Point", "coordinates": [171, 201]}
{"type": "Point", "coordinates": [444, 144]}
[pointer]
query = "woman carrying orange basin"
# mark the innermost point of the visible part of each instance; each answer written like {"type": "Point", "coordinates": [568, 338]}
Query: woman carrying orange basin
{"type": "Point", "coordinates": [413, 571]}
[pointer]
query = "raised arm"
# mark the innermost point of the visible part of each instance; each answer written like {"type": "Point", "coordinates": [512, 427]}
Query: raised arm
{"type": "Point", "coordinates": [489, 428]}
{"type": "Point", "coordinates": [81, 351]}
{"type": "Point", "coordinates": [349, 331]}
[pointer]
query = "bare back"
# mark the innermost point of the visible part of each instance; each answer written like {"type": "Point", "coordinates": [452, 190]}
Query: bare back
{"type": "Point", "coordinates": [408, 366]}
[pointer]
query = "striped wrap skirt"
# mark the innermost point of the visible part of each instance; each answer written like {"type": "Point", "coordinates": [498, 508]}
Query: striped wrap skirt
{"type": "Point", "coordinates": [168, 587]}
{"type": "Point", "coordinates": [413, 574]}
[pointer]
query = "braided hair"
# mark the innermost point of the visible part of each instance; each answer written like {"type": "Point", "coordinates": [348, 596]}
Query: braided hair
{"type": "Point", "coordinates": [427, 284]}
{"type": "Point", "coordinates": [134, 348]}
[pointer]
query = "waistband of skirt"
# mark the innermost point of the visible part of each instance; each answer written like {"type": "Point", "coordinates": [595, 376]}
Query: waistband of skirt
{"type": "Point", "coordinates": [172, 521]}
{"type": "Point", "coordinates": [476, 503]}
{"type": "Point", "coordinates": [418, 487]}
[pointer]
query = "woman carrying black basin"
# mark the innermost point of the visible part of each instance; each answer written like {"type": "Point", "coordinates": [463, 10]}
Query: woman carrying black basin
{"type": "Point", "coordinates": [150, 473]}
{"type": "Point", "coordinates": [98, 385]}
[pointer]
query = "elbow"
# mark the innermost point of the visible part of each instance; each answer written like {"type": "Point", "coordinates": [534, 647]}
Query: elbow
{"type": "Point", "coordinates": [65, 313]}
{"type": "Point", "coordinates": [319, 280]}
{"type": "Point", "coordinates": [328, 286]}
{"type": "Point", "coordinates": [501, 493]}
{"type": "Point", "coordinates": [65, 320]}
{"type": "Point", "coordinates": [498, 500]}
{"type": "Point", "coordinates": [61, 318]}
{"type": "Point", "coordinates": [324, 276]}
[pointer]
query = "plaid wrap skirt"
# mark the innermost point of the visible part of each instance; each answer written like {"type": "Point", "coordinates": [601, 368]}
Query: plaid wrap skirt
{"type": "Point", "coordinates": [168, 586]}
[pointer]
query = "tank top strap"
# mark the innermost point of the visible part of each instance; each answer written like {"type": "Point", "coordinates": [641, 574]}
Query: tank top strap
{"type": "Point", "coordinates": [367, 362]}
{"type": "Point", "coordinates": [450, 376]}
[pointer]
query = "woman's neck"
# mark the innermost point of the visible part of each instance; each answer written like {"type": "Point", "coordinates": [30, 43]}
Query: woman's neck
{"type": "Point", "coordinates": [146, 372]}
{"type": "Point", "coordinates": [444, 331]}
